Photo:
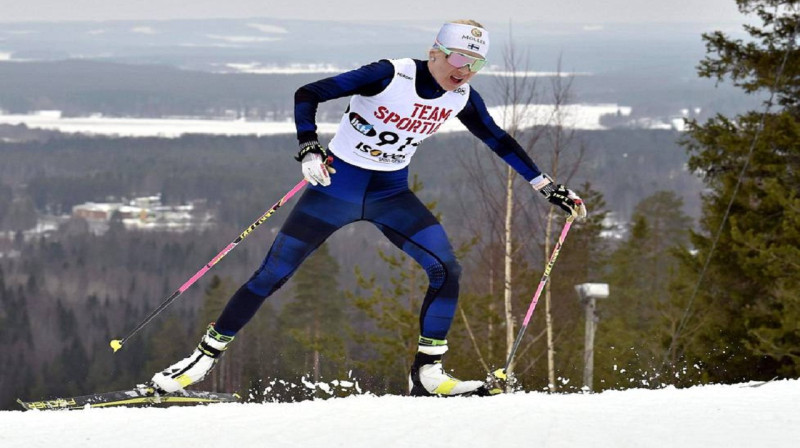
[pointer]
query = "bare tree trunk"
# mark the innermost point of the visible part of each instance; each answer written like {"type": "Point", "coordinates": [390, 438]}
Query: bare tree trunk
{"type": "Point", "coordinates": [561, 143]}
{"type": "Point", "coordinates": [551, 350]}
{"type": "Point", "coordinates": [507, 273]}
{"type": "Point", "coordinates": [489, 323]}
{"type": "Point", "coordinates": [315, 342]}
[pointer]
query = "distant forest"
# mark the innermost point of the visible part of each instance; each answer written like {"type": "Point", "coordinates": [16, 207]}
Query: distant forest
{"type": "Point", "coordinates": [240, 175]}
{"type": "Point", "coordinates": [88, 87]}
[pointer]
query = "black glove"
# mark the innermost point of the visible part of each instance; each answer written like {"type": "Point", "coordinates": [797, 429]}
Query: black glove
{"type": "Point", "coordinates": [560, 195]}
{"type": "Point", "coordinates": [312, 147]}
{"type": "Point", "coordinates": [315, 163]}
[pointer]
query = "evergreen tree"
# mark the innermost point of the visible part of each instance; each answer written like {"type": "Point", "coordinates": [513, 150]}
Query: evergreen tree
{"type": "Point", "coordinates": [749, 304]}
{"type": "Point", "coordinates": [315, 321]}
{"type": "Point", "coordinates": [639, 316]}
{"type": "Point", "coordinates": [21, 214]}
{"type": "Point", "coordinates": [4, 298]}
{"type": "Point", "coordinates": [393, 314]}
{"type": "Point", "coordinates": [216, 296]}
{"type": "Point", "coordinates": [169, 342]}
{"type": "Point", "coordinates": [6, 198]}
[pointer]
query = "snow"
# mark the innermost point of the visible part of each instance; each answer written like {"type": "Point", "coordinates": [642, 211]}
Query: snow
{"type": "Point", "coordinates": [243, 39]}
{"type": "Point", "coordinates": [678, 124]}
{"type": "Point", "coordinates": [529, 74]}
{"type": "Point", "coordinates": [323, 68]}
{"type": "Point", "coordinates": [572, 116]}
{"type": "Point", "coordinates": [592, 28]}
{"type": "Point", "coordinates": [275, 29]}
{"type": "Point", "coordinates": [724, 416]}
{"type": "Point", "coordinates": [290, 69]}
{"type": "Point", "coordinates": [153, 127]}
{"type": "Point", "coordinates": [575, 116]}
{"type": "Point", "coordinates": [56, 114]}
{"type": "Point", "coordinates": [144, 30]}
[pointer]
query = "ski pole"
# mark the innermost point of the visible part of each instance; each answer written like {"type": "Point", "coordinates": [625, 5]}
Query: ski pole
{"type": "Point", "coordinates": [117, 344]}
{"type": "Point", "coordinates": [503, 373]}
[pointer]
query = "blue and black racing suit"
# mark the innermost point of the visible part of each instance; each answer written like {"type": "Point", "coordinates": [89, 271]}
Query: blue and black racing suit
{"type": "Point", "coordinates": [380, 197]}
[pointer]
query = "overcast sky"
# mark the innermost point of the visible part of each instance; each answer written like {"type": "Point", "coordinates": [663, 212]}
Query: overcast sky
{"type": "Point", "coordinates": [587, 11]}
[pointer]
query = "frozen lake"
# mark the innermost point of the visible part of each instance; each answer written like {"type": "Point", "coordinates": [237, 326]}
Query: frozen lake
{"type": "Point", "coordinates": [574, 116]}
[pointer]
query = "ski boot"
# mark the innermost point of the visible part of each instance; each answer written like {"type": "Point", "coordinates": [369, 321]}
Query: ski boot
{"type": "Point", "coordinates": [194, 368]}
{"type": "Point", "coordinates": [428, 378]}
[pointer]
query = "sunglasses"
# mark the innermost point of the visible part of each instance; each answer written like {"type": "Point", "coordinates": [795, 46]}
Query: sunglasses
{"type": "Point", "coordinates": [458, 60]}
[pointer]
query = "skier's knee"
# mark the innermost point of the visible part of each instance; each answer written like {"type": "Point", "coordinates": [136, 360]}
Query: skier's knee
{"type": "Point", "coordinates": [441, 272]}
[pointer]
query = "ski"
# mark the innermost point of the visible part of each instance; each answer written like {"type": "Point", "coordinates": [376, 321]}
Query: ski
{"type": "Point", "coordinates": [487, 390]}
{"type": "Point", "coordinates": [140, 396]}
{"type": "Point", "coordinates": [760, 383]}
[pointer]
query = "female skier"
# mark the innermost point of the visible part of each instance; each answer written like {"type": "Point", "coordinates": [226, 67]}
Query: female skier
{"type": "Point", "coordinates": [394, 105]}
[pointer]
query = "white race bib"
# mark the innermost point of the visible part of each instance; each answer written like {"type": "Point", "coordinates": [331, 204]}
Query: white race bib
{"type": "Point", "coordinates": [382, 132]}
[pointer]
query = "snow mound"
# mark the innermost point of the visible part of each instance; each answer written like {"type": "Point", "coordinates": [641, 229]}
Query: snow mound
{"type": "Point", "coordinates": [725, 416]}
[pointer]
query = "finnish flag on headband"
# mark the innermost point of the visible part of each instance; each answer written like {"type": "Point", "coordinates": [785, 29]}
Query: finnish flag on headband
{"type": "Point", "coordinates": [457, 36]}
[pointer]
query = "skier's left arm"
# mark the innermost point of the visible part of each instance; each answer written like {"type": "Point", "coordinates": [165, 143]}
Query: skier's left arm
{"type": "Point", "coordinates": [476, 118]}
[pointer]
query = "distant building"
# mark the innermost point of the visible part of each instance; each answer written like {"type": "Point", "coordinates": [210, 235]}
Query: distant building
{"type": "Point", "coordinates": [614, 229]}
{"type": "Point", "coordinates": [142, 213]}
{"type": "Point", "coordinates": [91, 211]}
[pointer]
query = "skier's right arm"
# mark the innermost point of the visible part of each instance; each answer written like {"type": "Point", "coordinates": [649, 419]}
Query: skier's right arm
{"type": "Point", "coordinates": [368, 80]}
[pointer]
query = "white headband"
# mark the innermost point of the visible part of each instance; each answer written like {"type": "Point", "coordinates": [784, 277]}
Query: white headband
{"type": "Point", "coordinates": [464, 37]}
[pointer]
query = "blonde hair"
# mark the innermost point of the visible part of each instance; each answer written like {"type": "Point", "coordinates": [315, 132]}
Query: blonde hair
{"type": "Point", "coordinates": [468, 22]}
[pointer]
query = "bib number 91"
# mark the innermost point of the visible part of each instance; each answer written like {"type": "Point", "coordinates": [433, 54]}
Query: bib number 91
{"type": "Point", "coordinates": [390, 138]}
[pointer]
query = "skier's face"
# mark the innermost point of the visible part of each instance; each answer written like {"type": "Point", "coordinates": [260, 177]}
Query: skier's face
{"type": "Point", "coordinates": [449, 77]}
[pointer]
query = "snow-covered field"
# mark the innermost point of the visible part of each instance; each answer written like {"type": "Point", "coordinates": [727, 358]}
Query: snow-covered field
{"type": "Point", "coordinates": [291, 69]}
{"type": "Point", "coordinates": [576, 116]}
{"type": "Point", "coordinates": [724, 416]}
{"type": "Point", "coordinates": [154, 127]}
